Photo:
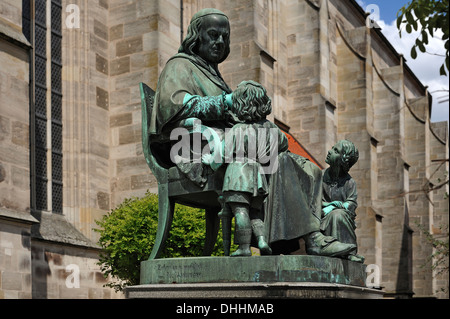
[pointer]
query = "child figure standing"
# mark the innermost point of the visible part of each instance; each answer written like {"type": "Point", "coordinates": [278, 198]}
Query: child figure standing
{"type": "Point", "coordinates": [247, 148]}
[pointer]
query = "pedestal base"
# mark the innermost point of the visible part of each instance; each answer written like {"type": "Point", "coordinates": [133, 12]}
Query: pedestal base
{"type": "Point", "coordinates": [280, 268]}
{"type": "Point", "coordinates": [273, 290]}
{"type": "Point", "coordinates": [290, 276]}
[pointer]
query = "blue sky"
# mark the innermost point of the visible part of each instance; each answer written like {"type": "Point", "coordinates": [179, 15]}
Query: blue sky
{"type": "Point", "coordinates": [426, 66]}
{"type": "Point", "coordinates": [388, 9]}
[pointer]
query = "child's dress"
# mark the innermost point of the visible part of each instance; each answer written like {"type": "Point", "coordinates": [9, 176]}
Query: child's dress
{"type": "Point", "coordinates": [248, 147]}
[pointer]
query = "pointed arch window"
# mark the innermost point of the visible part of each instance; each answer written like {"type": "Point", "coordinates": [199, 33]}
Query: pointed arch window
{"type": "Point", "coordinates": [42, 27]}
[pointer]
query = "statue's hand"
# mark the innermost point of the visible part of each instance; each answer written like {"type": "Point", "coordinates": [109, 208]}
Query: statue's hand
{"type": "Point", "coordinates": [337, 204]}
{"type": "Point", "coordinates": [212, 161]}
{"type": "Point", "coordinates": [229, 100]}
{"type": "Point", "coordinates": [326, 210]}
{"type": "Point", "coordinates": [207, 159]}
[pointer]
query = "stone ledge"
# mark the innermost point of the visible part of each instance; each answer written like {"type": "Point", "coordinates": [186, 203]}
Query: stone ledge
{"type": "Point", "coordinates": [56, 228]}
{"type": "Point", "coordinates": [273, 290]}
{"type": "Point", "coordinates": [279, 268]}
{"type": "Point", "coordinates": [17, 216]}
{"type": "Point", "coordinates": [12, 34]}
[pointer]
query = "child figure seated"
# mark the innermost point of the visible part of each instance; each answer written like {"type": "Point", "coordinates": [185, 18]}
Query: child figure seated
{"type": "Point", "coordinates": [339, 197]}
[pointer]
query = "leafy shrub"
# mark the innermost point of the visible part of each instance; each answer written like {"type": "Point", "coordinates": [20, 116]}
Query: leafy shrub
{"type": "Point", "coordinates": [127, 235]}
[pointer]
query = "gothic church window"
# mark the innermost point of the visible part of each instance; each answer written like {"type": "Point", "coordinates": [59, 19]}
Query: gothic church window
{"type": "Point", "coordinates": [43, 30]}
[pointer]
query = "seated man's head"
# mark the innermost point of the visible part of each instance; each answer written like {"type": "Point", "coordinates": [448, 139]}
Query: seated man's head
{"type": "Point", "coordinates": [208, 36]}
{"type": "Point", "coordinates": [343, 153]}
{"type": "Point", "coordinates": [250, 102]}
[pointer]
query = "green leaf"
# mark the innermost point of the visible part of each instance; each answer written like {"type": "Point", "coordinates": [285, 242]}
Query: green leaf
{"type": "Point", "coordinates": [421, 47]}
{"type": "Point", "coordinates": [442, 70]}
{"type": "Point", "coordinates": [399, 21]}
{"type": "Point", "coordinates": [418, 12]}
{"type": "Point", "coordinates": [408, 28]}
{"type": "Point", "coordinates": [414, 24]}
{"type": "Point", "coordinates": [413, 52]}
{"type": "Point", "coordinates": [424, 37]}
{"type": "Point", "coordinates": [409, 17]}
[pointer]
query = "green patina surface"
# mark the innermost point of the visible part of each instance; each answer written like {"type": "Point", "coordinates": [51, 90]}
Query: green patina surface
{"type": "Point", "coordinates": [288, 268]}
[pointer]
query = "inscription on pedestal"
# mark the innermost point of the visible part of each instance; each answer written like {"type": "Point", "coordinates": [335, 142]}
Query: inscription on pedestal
{"type": "Point", "coordinates": [181, 272]}
{"type": "Point", "coordinates": [289, 268]}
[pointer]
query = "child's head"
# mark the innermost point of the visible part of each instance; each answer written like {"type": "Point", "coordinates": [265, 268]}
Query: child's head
{"type": "Point", "coordinates": [250, 102]}
{"type": "Point", "coordinates": [343, 153]}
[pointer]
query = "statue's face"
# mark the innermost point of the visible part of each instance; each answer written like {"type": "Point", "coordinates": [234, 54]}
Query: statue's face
{"type": "Point", "coordinates": [334, 155]}
{"type": "Point", "coordinates": [214, 37]}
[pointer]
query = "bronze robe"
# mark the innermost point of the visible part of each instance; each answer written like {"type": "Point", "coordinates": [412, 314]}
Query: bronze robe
{"type": "Point", "coordinates": [185, 74]}
{"type": "Point", "coordinates": [293, 206]}
{"type": "Point", "coordinates": [340, 222]}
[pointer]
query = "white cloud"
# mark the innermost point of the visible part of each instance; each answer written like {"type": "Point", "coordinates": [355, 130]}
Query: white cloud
{"type": "Point", "coordinates": [361, 3]}
{"type": "Point", "coordinates": [425, 66]}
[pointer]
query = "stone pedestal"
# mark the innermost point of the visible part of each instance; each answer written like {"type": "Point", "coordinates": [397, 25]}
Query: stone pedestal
{"type": "Point", "coordinates": [255, 290]}
{"type": "Point", "coordinates": [291, 276]}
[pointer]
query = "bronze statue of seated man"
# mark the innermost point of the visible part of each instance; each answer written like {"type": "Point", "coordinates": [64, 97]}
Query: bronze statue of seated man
{"type": "Point", "coordinates": [191, 87]}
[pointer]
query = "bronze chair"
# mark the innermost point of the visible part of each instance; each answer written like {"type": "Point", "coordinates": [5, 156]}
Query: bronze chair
{"type": "Point", "coordinates": [174, 187]}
